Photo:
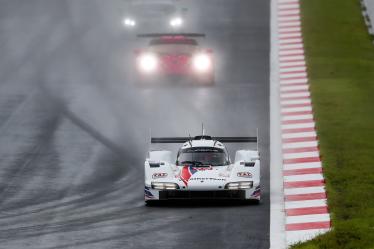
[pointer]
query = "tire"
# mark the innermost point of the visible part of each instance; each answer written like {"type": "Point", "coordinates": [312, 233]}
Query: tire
{"type": "Point", "coordinates": [252, 202]}
{"type": "Point", "coordinates": [151, 203]}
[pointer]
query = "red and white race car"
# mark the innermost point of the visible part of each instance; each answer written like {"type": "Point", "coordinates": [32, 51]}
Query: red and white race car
{"type": "Point", "coordinates": [173, 58]}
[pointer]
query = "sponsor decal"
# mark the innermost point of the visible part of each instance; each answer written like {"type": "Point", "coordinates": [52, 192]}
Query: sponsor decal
{"type": "Point", "coordinates": [147, 193]}
{"type": "Point", "coordinates": [207, 179]}
{"type": "Point", "coordinates": [187, 172]}
{"type": "Point", "coordinates": [159, 175]}
{"type": "Point", "coordinates": [257, 192]}
{"type": "Point", "coordinates": [203, 168]}
{"type": "Point", "coordinates": [244, 174]}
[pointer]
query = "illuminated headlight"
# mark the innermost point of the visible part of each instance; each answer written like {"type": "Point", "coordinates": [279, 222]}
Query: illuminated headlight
{"type": "Point", "coordinates": [148, 63]}
{"type": "Point", "coordinates": [239, 185]}
{"type": "Point", "coordinates": [164, 185]}
{"type": "Point", "coordinates": [202, 62]}
{"type": "Point", "coordinates": [176, 22]}
{"type": "Point", "coordinates": [128, 22]}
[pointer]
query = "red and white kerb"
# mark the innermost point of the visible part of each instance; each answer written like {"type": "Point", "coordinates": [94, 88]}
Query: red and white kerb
{"type": "Point", "coordinates": [306, 210]}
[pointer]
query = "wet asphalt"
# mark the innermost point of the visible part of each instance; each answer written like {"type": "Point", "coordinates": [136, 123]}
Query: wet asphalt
{"type": "Point", "coordinates": [74, 126]}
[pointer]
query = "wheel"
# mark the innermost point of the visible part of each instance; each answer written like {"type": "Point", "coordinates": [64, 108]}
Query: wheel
{"type": "Point", "coordinates": [151, 203]}
{"type": "Point", "coordinates": [252, 201]}
{"type": "Point", "coordinates": [256, 201]}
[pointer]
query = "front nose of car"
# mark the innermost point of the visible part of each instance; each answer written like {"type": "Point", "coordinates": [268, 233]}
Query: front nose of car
{"type": "Point", "coordinates": [206, 184]}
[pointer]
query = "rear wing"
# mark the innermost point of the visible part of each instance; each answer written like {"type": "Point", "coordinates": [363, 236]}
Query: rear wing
{"type": "Point", "coordinates": [177, 140]}
{"type": "Point", "coordinates": [156, 35]}
{"type": "Point", "coordinates": [165, 140]}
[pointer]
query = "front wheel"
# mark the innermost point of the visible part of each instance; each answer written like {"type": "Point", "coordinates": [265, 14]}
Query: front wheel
{"type": "Point", "coordinates": [252, 201]}
{"type": "Point", "coordinates": [151, 203]}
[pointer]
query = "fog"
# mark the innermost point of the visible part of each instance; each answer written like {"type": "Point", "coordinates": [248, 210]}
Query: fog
{"type": "Point", "coordinates": [75, 125]}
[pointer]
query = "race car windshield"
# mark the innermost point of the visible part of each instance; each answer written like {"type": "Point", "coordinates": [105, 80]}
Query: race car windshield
{"type": "Point", "coordinates": [202, 156]}
{"type": "Point", "coordinates": [173, 48]}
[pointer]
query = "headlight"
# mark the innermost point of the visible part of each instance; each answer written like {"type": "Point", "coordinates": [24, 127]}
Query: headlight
{"type": "Point", "coordinates": [239, 185]}
{"type": "Point", "coordinates": [202, 62]}
{"type": "Point", "coordinates": [164, 185]}
{"type": "Point", "coordinates": [176, 22]}
{"type": "Point", "coordinates": [128, 22]}
{"type": "Point", "coordinates": [148, 63]}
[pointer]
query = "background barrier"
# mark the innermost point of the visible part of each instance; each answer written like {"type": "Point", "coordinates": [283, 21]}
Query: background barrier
{"type": "Point", "coordinates": [368, 13]}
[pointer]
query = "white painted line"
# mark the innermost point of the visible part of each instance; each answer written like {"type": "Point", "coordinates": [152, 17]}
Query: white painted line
{"type": "Point", "coordinates": [291, 46]}
{"type": "Point", "coordinates": [289, 18]}
{"type": "Point", "coordinates": [307, 218]}
{"type": "Point", "coordinates": [296, 126]}
{"type": "Point", "coordinates": [293, 81]}
{"type": "Point", "coordinates": [297, 101]}
{"type": "Point", "coordinates": [292, 69]}
{"type": "Point", "coordinates": [291, 52]}
{"type": "Point", "coordinates": [297, 87]}
{"type": "Point", "coordinates": [285, 76]}
{"type": "Point", "coordinates": [299, 134]}
{"type": "Point", "coordinates": [286, 2]}
{"type": "Point", "coordinates": [289, 24]}
{"type": "Point", "coordinates": [291, 95]}
{"type": "Point", "coordinates": [292, 58]}
{"type": "Point", "coordinates": [277, 213]}
{"type": "Point", "coordinates": [296, 109]}
{"type": "Point", "coordinates": [297, 117]}
{"type": "Point", "coordinates": [289, 12]}
{"type": "Point", "coordinates": [307, 177]}
{"type": "Point", "coordinates": [291, 64]}
{"type": "Point", "coordinates": [294, 40]}
{"type": "Point", "coordinates": [300, 155]}
{"type": "Point", "coordinates": [300, 145]}
{"type": "Point", "coordinates": [291, 29]}
{"type": "Point", "coordinates": [289, 6]}
{"type": "Point", "coordinates": [299, 191]}
{"type": "Point", "coordinates": [304, 204]}
{"type": "Point", "coordinates": [303, 235]}
{"type": "Point", "coordinates": [290, 35]}
{"type": "Point", "coordinates": [292, 88]}
{"type": "Point", "coordinates": [302, 166]}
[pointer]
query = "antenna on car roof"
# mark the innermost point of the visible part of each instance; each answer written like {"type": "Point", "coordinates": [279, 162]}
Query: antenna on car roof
{"type": "Point", "coordinates": [150, 142]}
{"type": "Point", "coordinates": [190, 141]}
{"type": "Point", "coordinates": [257, 138]}
{"type": "Point", "coordinates": [202, 129]}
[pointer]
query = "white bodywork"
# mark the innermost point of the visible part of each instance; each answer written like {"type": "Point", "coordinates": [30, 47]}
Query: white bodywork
{"type": "Point", "coordinates": [161, 167]}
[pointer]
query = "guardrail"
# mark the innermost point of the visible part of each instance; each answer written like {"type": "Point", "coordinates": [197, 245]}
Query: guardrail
{"type": "Point", "coordinates": [368, 13]}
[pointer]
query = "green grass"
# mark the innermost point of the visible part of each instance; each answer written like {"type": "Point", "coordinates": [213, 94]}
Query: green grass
{"type": "Point", "coordinates": [340, 58]}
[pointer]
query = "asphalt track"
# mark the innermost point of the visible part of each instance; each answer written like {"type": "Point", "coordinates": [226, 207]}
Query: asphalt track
{"type": "Point", "coordinates": [74, 128]}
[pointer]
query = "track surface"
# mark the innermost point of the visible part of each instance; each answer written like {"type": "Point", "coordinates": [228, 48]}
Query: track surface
{"type": "Point", "coordinates": [74, 129]}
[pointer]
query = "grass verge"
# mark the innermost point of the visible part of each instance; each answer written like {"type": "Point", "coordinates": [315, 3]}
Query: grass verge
{"type": "Point", "coordinates": [340, 58]}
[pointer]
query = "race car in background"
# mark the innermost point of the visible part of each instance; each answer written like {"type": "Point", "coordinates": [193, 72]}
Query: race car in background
{"type": "Point", "coordinates": [174, 57]}
{"type": "Point", "coordinates": [151, 14]}
{"type": "Point", "coordinates": [202, 169]}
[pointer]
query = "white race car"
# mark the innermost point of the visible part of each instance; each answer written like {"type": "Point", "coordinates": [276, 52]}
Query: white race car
{"type": "Point", "coordinates": [202, 169]}
{"type": "Point", "coordinates": [151, 14]}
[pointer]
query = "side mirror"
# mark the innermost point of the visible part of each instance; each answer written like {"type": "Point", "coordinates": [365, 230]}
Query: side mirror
{"type": "Point", "coordinates": [156, 164]}
{"type": "Point", "coordinates": [248, 164]}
